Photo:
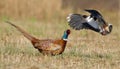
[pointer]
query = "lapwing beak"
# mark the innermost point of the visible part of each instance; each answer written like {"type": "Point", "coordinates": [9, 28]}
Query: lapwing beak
{"type": "Point", "coordinates": [110, 27]}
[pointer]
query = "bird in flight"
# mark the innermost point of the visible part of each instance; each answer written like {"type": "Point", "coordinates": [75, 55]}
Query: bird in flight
{"type": "Point", "coordinates": [94, 21]}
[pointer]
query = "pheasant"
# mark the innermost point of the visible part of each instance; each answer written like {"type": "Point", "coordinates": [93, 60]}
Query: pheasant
{"type": "Point", "coordinates": [94, 21]}
{"type": "Point", "coordinates": [46, 46]}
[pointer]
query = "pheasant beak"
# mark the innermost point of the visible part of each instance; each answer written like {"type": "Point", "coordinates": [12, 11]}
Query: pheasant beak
{"type": "Point", "coordinates": [107, 30]}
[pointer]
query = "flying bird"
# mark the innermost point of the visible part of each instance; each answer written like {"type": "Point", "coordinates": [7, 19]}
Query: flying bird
{"type": "Point", "coordinates": [94, 21]}
{"type": "Point", "coordinates": [46, 46]}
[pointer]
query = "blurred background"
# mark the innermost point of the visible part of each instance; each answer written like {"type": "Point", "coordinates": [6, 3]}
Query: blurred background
{"type": "Point", "coordinates": [47, 19]}
{"type": "Point", "coordinates": [55, 9]}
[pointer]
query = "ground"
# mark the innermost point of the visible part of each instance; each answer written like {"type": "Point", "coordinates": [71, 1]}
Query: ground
{"type": "Point", "coordinates": [85, 49]}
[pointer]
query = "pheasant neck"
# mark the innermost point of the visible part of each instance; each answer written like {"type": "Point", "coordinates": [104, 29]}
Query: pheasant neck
{"type": "Point", "coordinates": [65, 36]}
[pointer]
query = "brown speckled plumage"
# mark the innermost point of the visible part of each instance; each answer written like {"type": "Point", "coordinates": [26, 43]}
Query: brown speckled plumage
{"type": "Point", "coordinates": [45, 46]}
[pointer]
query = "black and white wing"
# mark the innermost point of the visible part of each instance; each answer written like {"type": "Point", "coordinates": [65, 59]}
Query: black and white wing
{"type": "Point", "coordinates": [94, 13]}
{"type": "Point", "coordinates": [97, 16]}
{"type": "Point", "coordinates": [93, 22]}
{"type": "Point", "coordinates": [78, 22]}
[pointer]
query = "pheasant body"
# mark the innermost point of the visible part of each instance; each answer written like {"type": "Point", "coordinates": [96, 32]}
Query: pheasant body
{"type": "Point", "coordinates": [49, 46]}
{"type": "Point", "coordinates": [46, 46]}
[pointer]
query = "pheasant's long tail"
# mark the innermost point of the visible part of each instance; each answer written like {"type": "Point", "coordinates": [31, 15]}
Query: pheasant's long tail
{"type": "Point", "coordinates": [31, 38]}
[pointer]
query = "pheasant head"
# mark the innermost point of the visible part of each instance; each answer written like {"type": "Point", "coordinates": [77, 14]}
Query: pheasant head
{"type": "Point", "coordinates": [66, 34]}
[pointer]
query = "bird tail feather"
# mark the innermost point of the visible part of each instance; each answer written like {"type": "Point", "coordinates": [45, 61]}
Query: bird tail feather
{"type": "Point", "coordinates": [28, 36]}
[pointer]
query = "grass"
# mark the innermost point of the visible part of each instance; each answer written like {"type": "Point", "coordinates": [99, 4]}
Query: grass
{"type": "Point", "coordinates": [85, 49]}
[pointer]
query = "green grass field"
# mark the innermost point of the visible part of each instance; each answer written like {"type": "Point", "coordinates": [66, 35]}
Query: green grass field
{"type": "Point", "coordinates": [85, 49]}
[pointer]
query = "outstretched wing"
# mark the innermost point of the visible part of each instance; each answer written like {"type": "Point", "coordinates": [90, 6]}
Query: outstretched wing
{"type": "Point", "coordinates": [78, 22]}
{"type": "Point", "coordinates": [97, 15]}
{"type": "Point", "coordinates": [93, 22]}
{"type": "Point", "coordinates": [94, 13]}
